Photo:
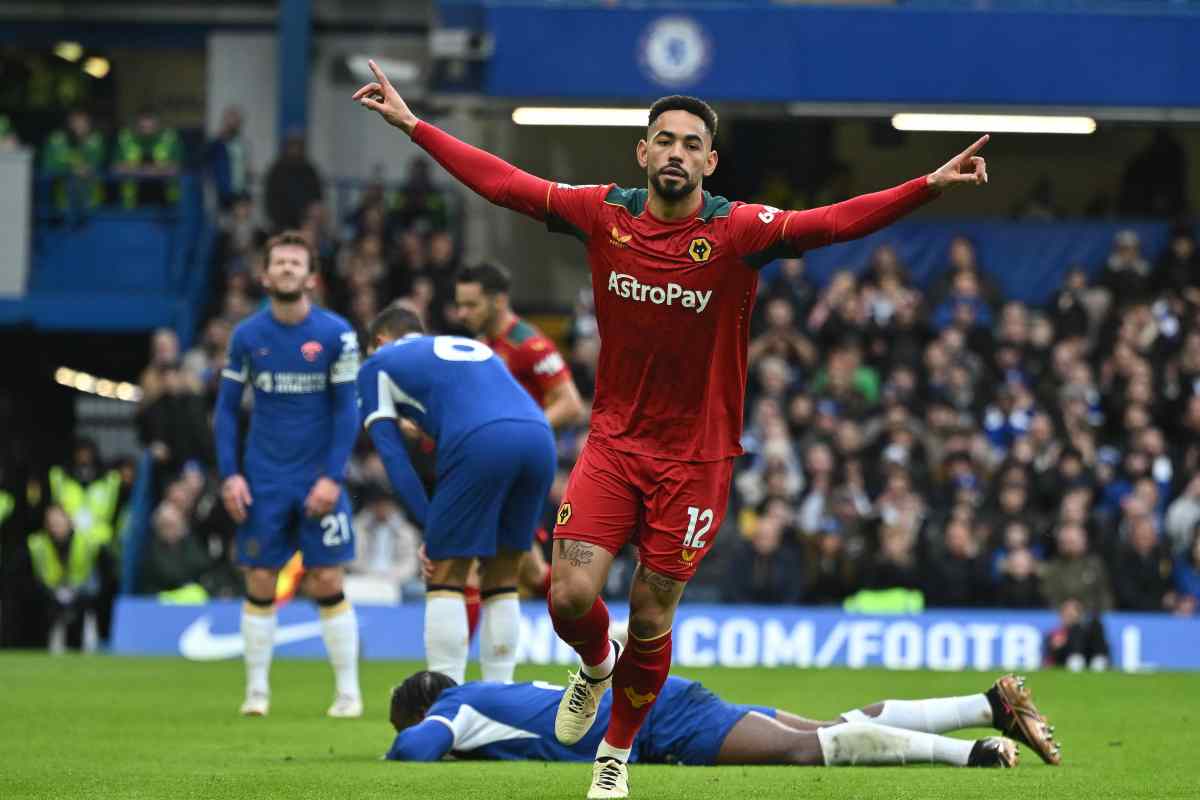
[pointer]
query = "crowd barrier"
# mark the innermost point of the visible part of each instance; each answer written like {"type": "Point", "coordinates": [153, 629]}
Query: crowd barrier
{"type": "Point", "coordinates": [705, 635]}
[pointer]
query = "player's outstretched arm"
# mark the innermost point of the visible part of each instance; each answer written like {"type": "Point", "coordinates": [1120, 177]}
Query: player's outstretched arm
{"type": "Point", "coordinates": [491, 177]}
{"type": "Point", "coordinates": [865, 214]}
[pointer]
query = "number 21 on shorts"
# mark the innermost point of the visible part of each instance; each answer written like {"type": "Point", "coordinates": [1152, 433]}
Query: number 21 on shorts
{"type": "Point", "coordinates": [336, 528]}
{"type": "Point", "coordinates": [695, 536]}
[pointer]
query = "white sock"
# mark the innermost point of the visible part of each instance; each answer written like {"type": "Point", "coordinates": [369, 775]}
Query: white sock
{"type": "Point", "coordinates": [339, 628]}
{"type": "Point", "coordinates": [605, 668]}
{"type": "Point", "coordinates": [258, 634]}
{"type": "Point", "coordinates": [446, 641]}
{"type": "Point", "coordinates": [606, 750]}
{"type": "Point", "coordinates": [936, 715]}
{"type": "Point", "coordinates": [852, 743]}
{"type": "Point", "coordinates": [499, 634]}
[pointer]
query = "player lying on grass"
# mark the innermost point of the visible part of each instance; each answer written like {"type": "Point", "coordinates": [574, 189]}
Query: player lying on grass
{"type": "Point", "coordinates": [434, 717]}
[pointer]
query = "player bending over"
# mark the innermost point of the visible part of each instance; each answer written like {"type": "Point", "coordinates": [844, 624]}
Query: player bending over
{"type": "Point", "coordinates": [288, 495]}
{"type": "Point", "coordinates": [434, 717]}
{"type": "Point", "coordinates": [495, 463]}
{"type": "Point", "coordinates": [674, 275]}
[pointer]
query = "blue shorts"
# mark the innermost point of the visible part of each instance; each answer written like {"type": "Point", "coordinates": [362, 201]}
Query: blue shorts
{"type": "Point", "coordinates": [276, 527]}
{"type": "Point", "coordinates": [491, 489]}
{"type": "Point", "coordinates": [689, 727]}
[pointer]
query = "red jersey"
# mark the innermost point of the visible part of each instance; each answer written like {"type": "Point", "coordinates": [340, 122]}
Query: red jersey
{"type": "Point", "coordinates": [532, 359]}
{"type": "Point", "coordinates": [673, 299]}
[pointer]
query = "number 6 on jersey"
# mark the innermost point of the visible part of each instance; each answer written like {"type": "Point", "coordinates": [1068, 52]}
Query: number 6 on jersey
{"type": "Point", "coordinates": [695, 538]}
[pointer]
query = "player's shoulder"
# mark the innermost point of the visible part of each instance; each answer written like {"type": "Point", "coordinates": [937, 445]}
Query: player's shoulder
{"type": "Point", "coordinates": [256, 321]}
{"type": "Point", "coordinates": [524, 335]}
{"type": "Point", "coordinates": [330, 320]}
{"type": "Point", "coordinates": [631, 201]}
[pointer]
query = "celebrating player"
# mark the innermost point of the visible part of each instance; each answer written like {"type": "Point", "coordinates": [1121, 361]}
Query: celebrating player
{"type": "Point", "coordinates": [288, 493]}
{"type": "Point", "coordinates": [674, 274]}
{"type": "Point", "coordinates": [434, 717]}
{"type": "Point", "coordinates": [495, 464]}
{"type": "Point", "coordinates": [481, 293]}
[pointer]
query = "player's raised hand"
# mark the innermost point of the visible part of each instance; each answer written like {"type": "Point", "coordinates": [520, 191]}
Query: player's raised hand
{"type": "Point", "coordinates": [235, 494]}
{"type": "Point", "coordinates": [379, 95]}
{"type": "Point", "coordinates": [322, 497]}
{"type": "Point", "coordinates": [965, 168]}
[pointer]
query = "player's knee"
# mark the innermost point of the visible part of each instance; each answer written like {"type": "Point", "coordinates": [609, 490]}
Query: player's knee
{"type": "Point", "coordinates": [647, 624]}
{"type": "Point", "coordinates": [570, 599]}
{"type": "Point", "coordinates": [324, 582]}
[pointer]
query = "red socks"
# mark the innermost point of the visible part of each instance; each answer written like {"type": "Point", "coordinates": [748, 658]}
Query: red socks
{"type": "Point", "coordinates": [471, 598]}
{"type": "Point", "coordinates": [588, 634]}
{"type": "Point", "coordinates": [639, 677]}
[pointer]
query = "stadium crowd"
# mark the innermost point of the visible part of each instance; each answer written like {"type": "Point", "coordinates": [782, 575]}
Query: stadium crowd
{"type": "Point", "coordinates": [941, 442]}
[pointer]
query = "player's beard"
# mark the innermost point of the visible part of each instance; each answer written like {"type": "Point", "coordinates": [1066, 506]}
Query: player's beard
{"type": "Point", "coordinates": [669, 191]}
{"type": "Point", "coordinates": [285, 297]}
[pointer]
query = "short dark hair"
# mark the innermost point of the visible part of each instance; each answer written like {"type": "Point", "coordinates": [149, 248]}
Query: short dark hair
{"type": "Point", "coordinates": [395, 321]}
{"type": "Point", "coordinates": [493, 278]}
{"type": "Point", "coordinates": [411, 699]}
{"type": "Point", "coordinates": [290, 238]}
{"type": "Point", "coordinates": [683, 102]}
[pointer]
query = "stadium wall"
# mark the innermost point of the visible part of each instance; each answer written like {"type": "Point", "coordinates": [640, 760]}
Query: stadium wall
{"type": "Point", "coordinates": [705, 635]}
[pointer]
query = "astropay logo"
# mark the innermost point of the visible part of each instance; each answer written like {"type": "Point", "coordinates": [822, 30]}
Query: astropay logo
{"type": "Point", "coordinates": [631, 288]}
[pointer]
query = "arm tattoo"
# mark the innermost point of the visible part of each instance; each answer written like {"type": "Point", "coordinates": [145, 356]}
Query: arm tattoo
{"type": "Point", "coordinates": [577, 553]}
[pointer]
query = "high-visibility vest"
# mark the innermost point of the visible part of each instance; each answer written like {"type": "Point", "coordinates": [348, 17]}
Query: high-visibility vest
{"type": "Point", "coordinates": [93, 507]}
{"type": "Point", "coordinates": [48, 567]}
{"type": "Point", "coordinates": [165, 148]}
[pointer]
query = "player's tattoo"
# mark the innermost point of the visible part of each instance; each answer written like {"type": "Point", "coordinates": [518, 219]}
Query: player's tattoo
{"type": "Point", "coordinates": [578, 553]}
{"type": "Point", "coordinates": [661, 585]}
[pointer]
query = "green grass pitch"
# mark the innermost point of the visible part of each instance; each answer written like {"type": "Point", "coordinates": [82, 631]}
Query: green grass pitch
{"type": "Point", "coordinates": [109, 727]}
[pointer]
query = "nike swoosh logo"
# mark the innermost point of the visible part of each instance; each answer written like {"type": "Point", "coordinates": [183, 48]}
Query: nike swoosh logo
{"type": "Point", "coordinates": [199, 643]}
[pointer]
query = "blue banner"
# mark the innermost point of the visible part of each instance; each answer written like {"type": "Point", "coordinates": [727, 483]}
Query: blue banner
{"type": "Point", "coordinates": [842, 55]}
{"type": "Point", "coordinates": [705, 635]}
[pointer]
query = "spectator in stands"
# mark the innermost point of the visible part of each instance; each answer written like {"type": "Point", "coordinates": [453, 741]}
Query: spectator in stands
{"type": "Point", "coordinates": [780, 337]}
{"type": "Point", "coordinates": [386, 543]}
{"type": "Point", "coordinates": [292, 184]}
{"type": "Point", "coordinates": [1142, 573]}
{"type": "Point", "coordinates": [66, 565]}
{"type": "Point", "coordinates": [1039, 204]}
{"type": "Point", "coordinates": [75, 157]}
{"type": "Point", "coordinates": [1182, 516]}
{"type": "Point", "coordinates": [962, 259]}
{"type": "Point", "coordinates": [175, 425]}
{"type": "Point", "coordinates": [764, 570]}
{"type": "Point", "coordinates": [831, 575]}
{"type": "Point", "coordinates": [174, 558]}
{"type": "Point", "coordinates": [790, 283]}
{"type": "Point", "coordinates": [1187, 578]}
{"type": "Point", "coordinates": [202, 364]}
{"type": "Point", "coordinates": [1126, 276]}
{"type": "Point", "coordinates": [87, 492]}
{"type": "Point", "coordinates": [1071, 308]}
{"type": "Point", "coordinates": [419, 205]}
{"type": "Point", "coordinates": [957, 576]}
{"type": "Point", "coordinates": [964, 307]}
{"type": "Point", "coordinates": [1076, 574]}
{"type": "Point", "coordinates": [1079, 639]}
{"type": "Point", "coordinates": [164, 352]}
{"type": "Point", "coordinates": [1176, 275]}
{"type": "Point", "coordinates": [895, 565]}
{"type": "Point", "coordinates": [150, 158]}
{"type": "Point", "coordinates": [227, 159]}
{"type": "Point", "coordinates": [239, 240]}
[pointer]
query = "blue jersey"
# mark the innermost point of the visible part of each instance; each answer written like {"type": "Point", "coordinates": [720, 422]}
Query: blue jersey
{"type": "Point", "coordinates": [303, 379]}
{"type": "Point", "coordinates": [447, 385]}
{"type": "Point", "coordinates": [515, 722]}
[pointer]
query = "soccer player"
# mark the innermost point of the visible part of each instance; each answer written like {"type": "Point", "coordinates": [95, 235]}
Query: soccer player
{"type": "Point", "coordinates": [495, 464]}
{"type": "Point", "coordinates": [434, 717]}
{"type": "Point", "coordinates": [674, 275]}
{"type": "Point", "coordinates": [287, 494]}
{"type": "Point", "coordinates": [482, 297]}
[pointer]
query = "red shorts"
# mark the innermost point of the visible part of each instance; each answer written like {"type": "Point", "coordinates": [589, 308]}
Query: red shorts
{"type": "Point", "coordinates": [671, 509]}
